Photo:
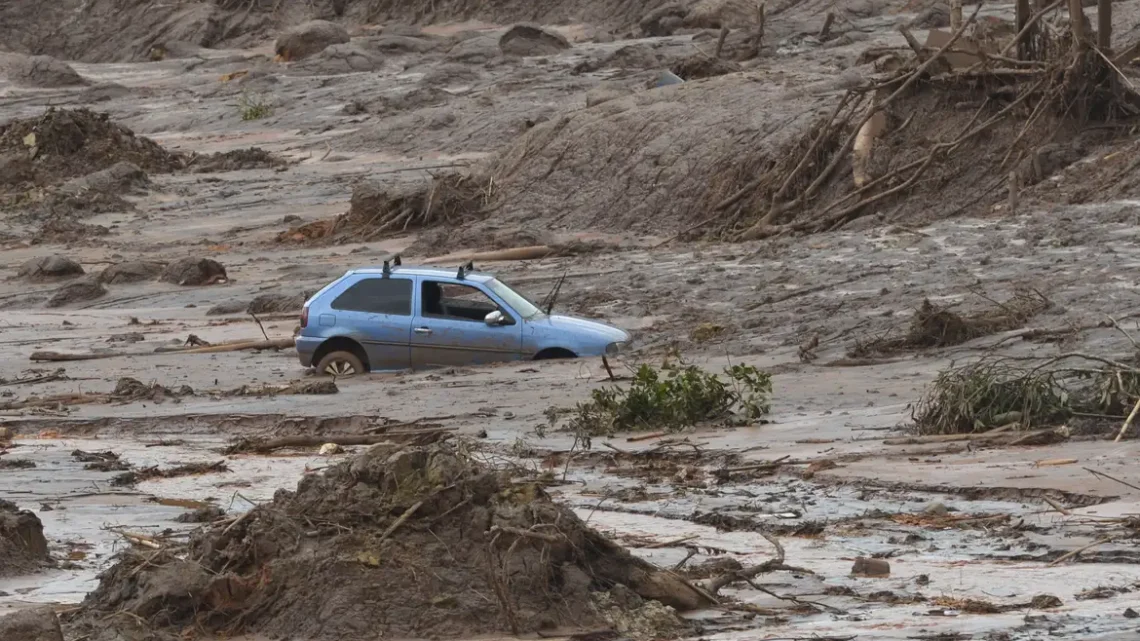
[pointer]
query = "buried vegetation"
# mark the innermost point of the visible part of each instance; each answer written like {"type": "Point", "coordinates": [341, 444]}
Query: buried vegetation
{"type": "Point", "coordinates": [1027, 394]}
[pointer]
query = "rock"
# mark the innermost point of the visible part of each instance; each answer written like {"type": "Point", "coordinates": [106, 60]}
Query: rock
{"type": "Point", "coordinates": [23, 547]}
{"type": "Point", "coordinates": [343, 58]}
{"type": "Point", "coordinates": [119, 178]}
{"type": "Point", "coordinates": [194, 271]}
{"type": "Point", "coordinates": [1129, 613]}
{"type": "Point", "coordinates": [47, 268]}
{"type": "Point", "coordinates": [328, 449]}
{"type": "Point", "coordinates": [874, 568]}
{"type": "Point", "coordinates": [663, 20]}
{"type": "Point", "coordinates": [936, 509]}
{"type": "Point", "coordinates": [77, 292]}
{"type": "Point", "coordinates": [399, 44]}
{"type": "Point", "coordinates": [714, 14]}
{"type": "Point", "coordinates": [475, 50]}
{"type": "Point", "coordinates": [130, 272]}
{"type": "Point", "coordinates": [935, 17]}
{"type": "Point", "coordinates": [531, 40]}
{"type": "Point", "coordinates": [5, 434]}
{"type": "Point", "coordinates": [308, 39]}
{"type": "Point", "coordinates": [40, 71]}
{"type": "Point", "coordinates": [37, 624]}
{"type": "Point", "coordinates": [1045, 602]}
{"type": "Point", "coordinates": [228, 307]}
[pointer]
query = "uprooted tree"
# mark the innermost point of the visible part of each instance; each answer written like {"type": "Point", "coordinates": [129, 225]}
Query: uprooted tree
{"type": "Point", "coordinates": [976, 125]}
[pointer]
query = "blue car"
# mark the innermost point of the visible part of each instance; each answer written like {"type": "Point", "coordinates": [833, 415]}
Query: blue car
{"type": "Point", "coordinates": [394, 318]}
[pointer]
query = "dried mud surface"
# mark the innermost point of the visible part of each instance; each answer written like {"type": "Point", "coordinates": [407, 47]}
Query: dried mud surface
{"type": "Point", "coordinates": [167, 213]}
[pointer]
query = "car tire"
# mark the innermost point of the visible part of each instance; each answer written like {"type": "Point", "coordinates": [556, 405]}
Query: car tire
{"type": "Point", "coordinates": [340, 364]}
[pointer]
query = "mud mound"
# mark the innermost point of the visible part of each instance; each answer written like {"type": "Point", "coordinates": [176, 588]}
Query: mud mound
{"type": "Point", "coordinates": [36, 624]}
{"type": "Point", "coordinates": [703, 66]}
{"type": "Point", "coordinates": [39, 71]}
{"type": "Point", "coordinates": [531, 40]}
{"type": "Point", "coordinates": [63, 144]}
{"type": "Point", "coordinates": [77, 292]}
{"type": "Point", "coordinates": [194, 271]}
{"type": "Point", "coordinates": [342, 58]}
{"type": "Point", "coordinates": [23, 548]}
{"type": "Point", "coordinates": [647, 162]}
{"type": "Point", "coordinates": [377, 210]}
{"type": "Point", "coordinates": [397, 542]}
{"type": "Point", "coordinates": [121, 177]}
{"type": "Point", "coordinates": [278, 303]}
{"type": "Point", "coordinates": [130, 272]}
{"type": "Point", "coordinates": [309, 39]}
{"type": "Point", "coordinates": [48, 268]}
{"type": "Point", "coordinates": [237, 160]}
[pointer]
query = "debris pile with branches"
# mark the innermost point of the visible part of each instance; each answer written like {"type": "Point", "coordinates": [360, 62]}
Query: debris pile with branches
{"type": "Point", "coordinates": [983, 129]}
{"type": "Point", "coordinates": [396, 542]}
{"type": "Point", "coordinates": [1024, 394]}
{"type": "Point", "coordinates": [937, 326]}
{"type": "Point", "coordinates": [376, 211]}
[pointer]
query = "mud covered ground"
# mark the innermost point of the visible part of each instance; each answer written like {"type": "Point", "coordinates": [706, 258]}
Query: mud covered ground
{"type": "Point", "coordinates": [963, 526]}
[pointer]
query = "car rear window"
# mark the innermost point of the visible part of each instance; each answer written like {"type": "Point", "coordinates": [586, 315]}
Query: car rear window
{"type": "Point", "coordinates": [377, 296]}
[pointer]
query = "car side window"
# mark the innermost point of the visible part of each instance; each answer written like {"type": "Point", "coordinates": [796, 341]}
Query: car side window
{"type": "Point", "coordinates": [456, 302]}
{"type": "Point", "coordinates": [377, 296]}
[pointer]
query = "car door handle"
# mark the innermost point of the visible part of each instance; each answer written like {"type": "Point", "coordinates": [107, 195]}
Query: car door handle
{"type": "Point", "coordinates": [422, 330]}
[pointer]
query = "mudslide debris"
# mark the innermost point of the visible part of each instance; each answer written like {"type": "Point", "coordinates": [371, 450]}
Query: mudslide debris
{"type": "Point", "coordinates": [459, 549]}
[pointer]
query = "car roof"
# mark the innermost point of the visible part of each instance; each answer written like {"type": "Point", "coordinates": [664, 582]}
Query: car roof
{"type": "Point", "coordinates": [432, 272]}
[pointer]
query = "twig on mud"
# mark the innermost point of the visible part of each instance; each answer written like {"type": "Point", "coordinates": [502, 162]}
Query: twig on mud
{"type": "Point", "coordinates": [400, 521]}
{"type": "Point", "coordinates": [796, 600]}
{"type": "Point", "coordinates": [1111, 478]}
{"type": "Point", "coordinates": [506, 529]}
{"type": "Point", "coordinates": [1056, 506]}
{"type": "Point", "coordinates": [1078, 551]}
{"type": "Point", "coordinates": [667, 544]}
{"type": "Point", "coordinates": [259, 325]}
{"type": "Point", "coordinates": [1127, 422]}
{"type": "Point", "coordinates": [777, 563]}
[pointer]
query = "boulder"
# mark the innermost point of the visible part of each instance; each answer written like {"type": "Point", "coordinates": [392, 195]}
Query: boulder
{"type": "Point", "coordinates": [343, 58]}
{"type": "Point", "coordinates": [531, 40]}
{"type": "Point", "coordinates": [130, 272]}
{"type": "Point", "coordinates": [663, 20]}
{"type": "Point", "coordinates": [194, 271]}
{"type": "Point", "coordinates": [36, 624]}
{"type": "Point", "coordinates": [41, 71]}
{"type": "Point", "coordinates": [308, 39]}
{"type": "Point", "coordinates": [121, 177]}
{"type": "Point", "coordinates": [475, 50]}
{"type": "Point", "coordinates": [47, 268]}
{"type": "Point", "coordinates": [78, 292]}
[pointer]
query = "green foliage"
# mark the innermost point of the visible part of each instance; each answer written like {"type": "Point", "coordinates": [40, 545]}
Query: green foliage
{"type": "Point", "coordinates": [673, 398]}
{"type": "Point", "coordinates": [253, 106]}
{"type": "Point", "coordinates": [996, 392]}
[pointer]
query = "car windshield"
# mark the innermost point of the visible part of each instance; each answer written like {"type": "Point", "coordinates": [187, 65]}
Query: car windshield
{"type": "Point", "coordinates": [515, 300]}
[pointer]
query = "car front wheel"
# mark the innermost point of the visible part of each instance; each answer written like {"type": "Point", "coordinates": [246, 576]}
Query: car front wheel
{"type": "Point", "coordinates": [340, 365]}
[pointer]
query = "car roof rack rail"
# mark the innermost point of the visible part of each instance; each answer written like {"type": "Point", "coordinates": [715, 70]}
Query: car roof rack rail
{"type": "Point", "coordinates": [395, 262]}
{"type": "Point", "coordinates": [464, 269]}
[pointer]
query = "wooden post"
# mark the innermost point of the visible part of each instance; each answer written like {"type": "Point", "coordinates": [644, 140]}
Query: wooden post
{"type": "Point", "coordinates": [720, 41]}
{"type": "Point", "coordinates": [1077, 23]}
{"type": "Point", "coordinates": [1013, 192]}
{"type": "Point", "coordinates": [825, 32]}
{"type": "Point", "coordinates": [1024, 47]}
{"type": "Point", "coordinates": [1104, 26]}
{"type": "Point", "coordinates": [955, 15]}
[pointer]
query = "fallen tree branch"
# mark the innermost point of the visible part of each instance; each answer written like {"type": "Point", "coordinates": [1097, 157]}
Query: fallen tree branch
{"type": "Point", "coordinates": [277, 343]}
{"type": "Point", "coordinates": [245, 446]}
{"type": "Point", "coordinates": [714, 584]}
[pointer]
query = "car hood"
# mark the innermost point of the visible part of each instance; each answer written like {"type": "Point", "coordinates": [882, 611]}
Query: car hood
{"type": "Point", "coordinates": [583, 326]}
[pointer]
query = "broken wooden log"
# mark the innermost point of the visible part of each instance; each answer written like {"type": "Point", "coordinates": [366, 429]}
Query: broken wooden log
{"type": "Point", "coordinates": [530, 252]}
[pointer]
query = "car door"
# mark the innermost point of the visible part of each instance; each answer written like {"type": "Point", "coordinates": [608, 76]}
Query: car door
{"type": "Point", "coordinates": [449, 327]}
{"type": "Point", "coordinates": [376, 311]}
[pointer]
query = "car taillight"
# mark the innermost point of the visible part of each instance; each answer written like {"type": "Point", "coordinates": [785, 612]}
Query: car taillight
{"type": "Point", "coordinates": [304, 317]}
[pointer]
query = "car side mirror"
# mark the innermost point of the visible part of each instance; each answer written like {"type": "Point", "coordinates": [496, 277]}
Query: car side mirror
{"type": "Point", "coordinates": [494, 319]}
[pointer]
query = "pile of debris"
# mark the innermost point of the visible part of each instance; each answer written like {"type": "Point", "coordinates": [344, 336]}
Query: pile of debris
{"type": "Point", "coordinates": [450, 199]}
{"type": "Point", "coordinates": [396, 542]}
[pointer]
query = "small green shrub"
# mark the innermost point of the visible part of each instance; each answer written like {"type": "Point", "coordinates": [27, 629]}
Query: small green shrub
{"type": "Point", "coordinates": [253, 106]}
{"type": "Point", "coordinates": [673, 398]}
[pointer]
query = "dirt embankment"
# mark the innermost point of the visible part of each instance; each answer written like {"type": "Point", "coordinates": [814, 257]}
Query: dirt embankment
{"type": "Point", "coordinates": [122, 30]}
{"type": "Point", "coordinates": [23, 548]}
{"type": "Point", "coordinates": [397, 542]}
